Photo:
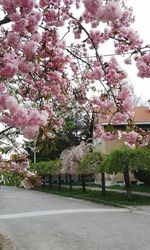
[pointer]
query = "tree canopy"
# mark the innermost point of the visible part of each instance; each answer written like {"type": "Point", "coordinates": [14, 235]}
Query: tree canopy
{"type": "Point", "coordinates": [133, 159]}
{"type": "Point", "coordinates": [91, 163]}
{"type": "Point", "coordinates": [52, 63]}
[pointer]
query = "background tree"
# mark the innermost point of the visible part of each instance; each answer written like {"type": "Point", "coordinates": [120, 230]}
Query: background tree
{"type": "Point", "coordinates": [119, 161]}
{"type": "Point", "coordinates": [140, 164]}
{"type": "Point", "coordinates": [125, 160]}
{"type": "Point", "coordinates": [74, 130]}
{"type": "Point", "coordinates": [71, 159]}
{"type": "Point", "coordinates": [92, 164]}
{"type": "Point", "coordinates": [48, 168]}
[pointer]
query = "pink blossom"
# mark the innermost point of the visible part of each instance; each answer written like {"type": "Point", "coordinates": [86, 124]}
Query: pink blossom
{"type": "Point", "coordinates": [14, 167]}
{"type": "Point", "coordinates": [119, 118]}
{"type": "Point", "coordinates": [142, 64]}
{"type": "Point", "coordinates": [34, 20]}
{"type": "Point", "coordinates": [125, 92]}
{"type": "Point", "coordinates": [110, 12]}
{"type": "Point", "coordinates": [106, 136]}
{"type": "Point", "coordinates": [20, 25]}
{"type": "Point", "coordinates": [92, 6]}
{"type": "Point", "coordinates": [128, 104]}
{"type": "Point", "coordinates": [13, 39]}
{"type": "Point", "coordinates": [27, 5]}
{"type": "Point", "coordinates": [128, 40]}
{"type": "Point", "coordinates": [127, 60]}
{"type": "Point", "coordinates": [27, 184]}
{"type": "Point", "coordinates": [11, 103]}
{"type": "Point", "coordinates": [31, 132]}
{"type": "Point", "coordinates": [9, 70]}
{"type": "Point", "coordinates": [96, 74]}
{"type": "Point", "coordinates": [105, 105]}
{"type": "Point", "coordinates": [25, 67]}
{"type": "Point", "coordinates": [131, 138]}
{"type": "Point", "coordinates": [2, 88]}
{"type": "Point", "coordinates": [98, 131]}
{"type": "Point", "coordinates": [114, 76]}
{"type": "Point", "coordinates": [30, 48]}
{"type": "Point", "coordinates": [24, 166]}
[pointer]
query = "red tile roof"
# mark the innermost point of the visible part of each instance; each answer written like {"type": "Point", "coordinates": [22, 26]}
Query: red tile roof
{"type": "Point", "coordinates": [141, 115]}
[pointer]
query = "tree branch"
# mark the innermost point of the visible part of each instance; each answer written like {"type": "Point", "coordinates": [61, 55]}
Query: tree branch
{"type": "Point", "coordinates": [5, 20]}
{"type": "Point", "coordinates": [5, 130]}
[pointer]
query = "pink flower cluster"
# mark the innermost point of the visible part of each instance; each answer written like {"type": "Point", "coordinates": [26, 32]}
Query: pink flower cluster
{"type": "Point", "coordinates": [119, 118]}
{"type": "Point", "coordinates": [29, 120]}
{"type": "Point", "coordinates": [114, 75]}
{"type": "Point", "coordinates": [128, 40]}
{"type": "Point", "coordinates": [131, 139]}
{"type": "Point", "coordinates": [143, 65]}
{"type": "Point", "coordinates": [104, 105]}
{"type": "Point", "coordinates": [127, 100]}
{"type": "Point", "coordinates": [19, 168]}
{"type": "Point", "coordinates": [104, 135]}
{"type": "Point", "coordinates": [27, 183]}
{"type": "Point", "coordinates": [98, 37]}
{"type": "Point", "coordinates": [111, 11]}
{"type": "Point", "coordinates": [96, 74]}
{"type": "Point", "coordinates": [35, 63]}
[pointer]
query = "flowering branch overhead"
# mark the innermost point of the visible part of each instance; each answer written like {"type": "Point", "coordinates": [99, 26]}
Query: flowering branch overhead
{"type": "Point", "coordinates": [44, 73]}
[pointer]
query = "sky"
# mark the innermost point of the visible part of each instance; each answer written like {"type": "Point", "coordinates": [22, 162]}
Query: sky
{"type": "Point", "coordinates": [142, 20]}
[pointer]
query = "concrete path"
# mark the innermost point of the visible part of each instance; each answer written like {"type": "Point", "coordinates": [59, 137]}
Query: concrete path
{"type": "Point", "coordinates": [113, 190]}
{"type": "Point", "coordinates": [124, 191]}
{"type": "Point", "coordinates": [39, 221]}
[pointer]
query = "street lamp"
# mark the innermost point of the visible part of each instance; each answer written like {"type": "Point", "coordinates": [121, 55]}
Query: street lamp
{"type": "Point", "coordinates": [34, 150]}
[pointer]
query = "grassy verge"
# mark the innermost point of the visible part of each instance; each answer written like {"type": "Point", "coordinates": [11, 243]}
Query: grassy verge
{"type": "Point", "coordinates": [1, 240]}
{"type": "Point", "coordinates": [5, 243]}
{"type": "Point", "coordinates": [111, 198]}
{"type": "Point", "coordinates": [138, 188]}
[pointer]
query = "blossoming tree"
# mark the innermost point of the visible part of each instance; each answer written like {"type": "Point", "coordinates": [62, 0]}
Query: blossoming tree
{"type": "Point", "coordinates": [71, 159]}
{"type": "Point", "coordinates": [16, 171]}
{"type": "Point", "coordinates": [52, 51]}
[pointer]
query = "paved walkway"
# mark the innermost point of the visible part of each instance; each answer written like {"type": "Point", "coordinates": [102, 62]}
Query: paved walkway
{"type": "Point", "coordinates": [39, 221]}
{"type": "Point", "coordinates": [124, 191]}
{"type": "Point", "coordinates": [112, 190]}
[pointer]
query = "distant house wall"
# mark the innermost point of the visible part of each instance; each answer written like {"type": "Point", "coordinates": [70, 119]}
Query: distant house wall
{"type": "Point", "coordinates": [106, 147]}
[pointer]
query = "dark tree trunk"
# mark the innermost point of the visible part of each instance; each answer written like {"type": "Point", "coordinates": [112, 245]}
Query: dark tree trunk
{"type": "Point", "coordinates": [91, 129]}
{"type": "Point", "coordinates": [43, 181]}
{"type": "Point", "coordinates": [59, 181]}
{"type": "Point", "coordinates": [70, 182]}
{"type": "Point", "coordinates": [127, 184]}
{"type": "Point", "coordinates": [83, 183]}
{"type": "Point", "coordinates": [50, 180]}
{"type": "Point", "coordinates": [90, 133]}
{"type": "Point", "coordinates": [66, 179]}
{"type": "Point", "coordinates": [103, 184]}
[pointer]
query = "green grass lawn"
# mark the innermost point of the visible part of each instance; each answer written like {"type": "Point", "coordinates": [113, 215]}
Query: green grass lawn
{"type": "Point", "coordinates": [111, 198]}
{"type": "Point", "coordinates": [139, 188]}
{"type": "Point", "coordinates": [1, 245]}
